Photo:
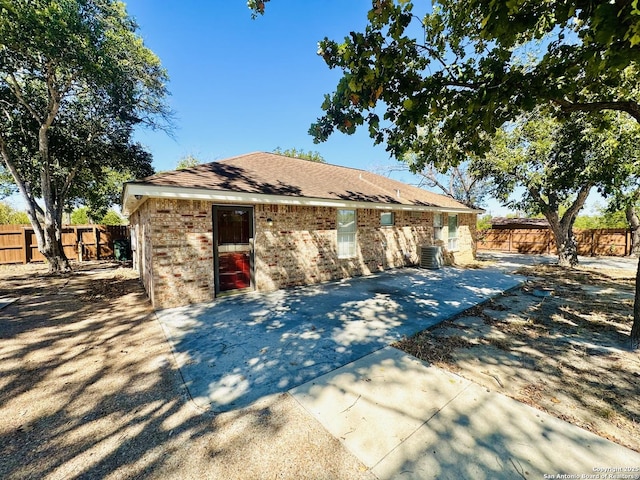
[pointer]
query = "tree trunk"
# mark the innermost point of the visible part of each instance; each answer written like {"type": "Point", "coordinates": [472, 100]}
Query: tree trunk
{"type": "Point", "coordinates": [562, 228]}
{"type": "Point", "coordinates": [567, 247]}
{"type": "Point", "coordinates": [565, 241]}
{"type": "Point", "coordinates": [634, 225]}
{"type": "Point", "coordinates": [52, 248]}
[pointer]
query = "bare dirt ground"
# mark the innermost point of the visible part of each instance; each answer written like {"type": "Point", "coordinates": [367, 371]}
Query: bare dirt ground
{"type": "Point", "coordinates": [89, 389]}
{"type": "Point", "coordinates": [559, 343]}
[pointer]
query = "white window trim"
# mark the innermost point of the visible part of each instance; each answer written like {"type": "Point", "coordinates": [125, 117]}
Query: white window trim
{"type": "Point", "coordinates": [387, 214]}
{"type": "Point", "coordinates": [452, 241]}
{"type": "Point", "coordinates": [349, 247]}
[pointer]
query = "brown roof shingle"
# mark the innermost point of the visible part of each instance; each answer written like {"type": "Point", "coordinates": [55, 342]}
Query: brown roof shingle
{"type": "Point", "coordinates": [272, 174]}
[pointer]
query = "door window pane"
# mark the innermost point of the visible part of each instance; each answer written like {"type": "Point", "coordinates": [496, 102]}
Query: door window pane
{"type": "Point", "coordinates": [233, 226]}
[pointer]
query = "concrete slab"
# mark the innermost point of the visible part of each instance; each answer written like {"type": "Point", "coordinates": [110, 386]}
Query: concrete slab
{"type": "Point", "coordinates": [238, 349]}
{"type": "Point", "coordinates": [406, 419]}
{"type": "Point", "coordinates": [511, 261]}
{"type": "Point", "coordinates": [5, 302]}
{"type": "Point", "coordinates": [374, 404]}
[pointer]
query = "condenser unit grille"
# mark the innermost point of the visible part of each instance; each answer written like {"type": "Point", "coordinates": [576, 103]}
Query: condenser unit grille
{"type": "Point", "coordinates": [431, 257]}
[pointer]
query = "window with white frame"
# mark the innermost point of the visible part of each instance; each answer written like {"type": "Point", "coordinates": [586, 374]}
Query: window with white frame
{"type": "Point", "coordinates": [386, 219]}
{"type": "Point", "coordinates": [346, 233]}
{"type": "Point", "coordinates": [452, 244]}
{"type": "Point", "coordinates": [437, 226]}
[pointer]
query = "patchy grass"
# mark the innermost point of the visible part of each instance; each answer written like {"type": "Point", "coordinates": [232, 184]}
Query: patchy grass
{"type": "Point", "coordinates": [560, 343]}
{"type": "Point", "coordinates": [434, 350]}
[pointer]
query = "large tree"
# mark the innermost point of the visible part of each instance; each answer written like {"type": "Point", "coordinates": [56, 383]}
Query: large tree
{"type": "Point", "coordinates": [456, 73]}
{"type": "Point", "coordinates": [75, 79]}
{"type": "Point", "coordinates": [555, 164]}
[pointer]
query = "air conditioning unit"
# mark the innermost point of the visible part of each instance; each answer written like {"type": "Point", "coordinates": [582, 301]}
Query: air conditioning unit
{"type": "Point", "coordinates": [431, 256]}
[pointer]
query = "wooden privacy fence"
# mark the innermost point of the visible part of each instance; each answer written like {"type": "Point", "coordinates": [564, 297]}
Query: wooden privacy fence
{"type": "Point", "coordinates": [601, 242]}
{"type": "Point", "coordinates": [18, 243]}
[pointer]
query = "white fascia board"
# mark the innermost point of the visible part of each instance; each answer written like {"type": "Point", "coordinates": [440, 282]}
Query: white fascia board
{"type": "Point", "coordinates": [135, 194]}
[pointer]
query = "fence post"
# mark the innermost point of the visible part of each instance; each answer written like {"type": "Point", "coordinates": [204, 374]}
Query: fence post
{"type": "Point", "coordinates": [96, 239]}
{"type": "Point", "coordinates": [25, 247]}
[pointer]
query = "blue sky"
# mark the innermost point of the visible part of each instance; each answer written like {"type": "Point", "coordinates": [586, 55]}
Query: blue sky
{"type": "Point", "coordinates": [240, 85]}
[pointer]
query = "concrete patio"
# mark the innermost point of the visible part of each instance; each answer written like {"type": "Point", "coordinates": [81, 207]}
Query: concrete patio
{"type": "Point", "coordinates": [238, 349]}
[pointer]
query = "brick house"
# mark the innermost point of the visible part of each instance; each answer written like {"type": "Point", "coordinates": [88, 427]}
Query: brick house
{"type": "Point", "coordinates": [263, 221]}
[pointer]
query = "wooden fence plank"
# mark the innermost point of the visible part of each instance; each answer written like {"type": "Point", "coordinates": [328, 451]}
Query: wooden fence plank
{"type": "Point", "coordinates": [597, 242]}
{"type": "Point", "coordinates": [18, 243]}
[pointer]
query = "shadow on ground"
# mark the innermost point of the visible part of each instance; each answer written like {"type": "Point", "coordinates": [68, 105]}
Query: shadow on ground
{"type": "Point", "coordinates": [406, 419]}
{"type": "Point", "coordinates": [238, 349]}
{"type": "Point", "coordinates": [89, 389]}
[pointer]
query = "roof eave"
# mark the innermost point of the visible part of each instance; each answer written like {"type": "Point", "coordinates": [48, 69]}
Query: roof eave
{"type": "Point", "coordinates": [135, 194]}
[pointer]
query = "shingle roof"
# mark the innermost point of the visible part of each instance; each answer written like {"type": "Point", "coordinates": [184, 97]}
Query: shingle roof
{"type": "Point", "coordinates": [271, 174]}
{"type": "Point", "coordinates": [504, 222]}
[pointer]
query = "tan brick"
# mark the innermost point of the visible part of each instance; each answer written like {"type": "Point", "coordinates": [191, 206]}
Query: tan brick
{"type": "Point", "coordinates": [175, 246]}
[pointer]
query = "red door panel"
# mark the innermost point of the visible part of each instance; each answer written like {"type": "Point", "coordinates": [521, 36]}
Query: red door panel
{"type": "Point", "coordinates": [234, 230]}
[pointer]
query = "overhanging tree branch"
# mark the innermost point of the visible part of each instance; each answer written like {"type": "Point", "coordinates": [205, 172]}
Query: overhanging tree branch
{"type": "Point", "coordinates": [630, 107]}
{"type": "Point", "coordinates": [14, 86]}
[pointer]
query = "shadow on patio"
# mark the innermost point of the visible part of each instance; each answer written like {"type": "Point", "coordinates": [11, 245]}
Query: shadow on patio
{"type": "Point", "coordinates": [238, 349]}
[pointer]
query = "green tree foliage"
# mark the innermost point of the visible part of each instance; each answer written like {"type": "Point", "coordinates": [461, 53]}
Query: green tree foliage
{"type": "Point", "coordinates": [587, 222]}
{"type": "Point", "coordinates": [80, 216]}
{"type": "Point", "coordinates": [623, 192]}
{"type": "Point", "coordinates": [557, 164]}
{"type": "Point", "coordinates": [484, 223]}
{"type": "Point", "coordinates": [112, 218]}
{"type": "Point", "coordinates": [604, 218]}
{"type": "Point", "coordinates": [295, 153]}
{"type": "Point", "coordinates": [188, 161]}
{"type": "Point", "coordinates": [75, 79]}
{"type": "Point", "coordinates": [447, 79]}
{"type": "Point", "coordinates": [11, 216]}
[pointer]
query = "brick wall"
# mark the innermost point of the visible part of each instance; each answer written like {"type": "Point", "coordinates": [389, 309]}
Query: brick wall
{"type": "Point", "coordinates": [298, 246]}
{"type": "Point", "coordinates": [467, 236]}
{"type": "Point", "coordinates": [177, 252]}
{"type": "Point", "coordinates": [142, 252]}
